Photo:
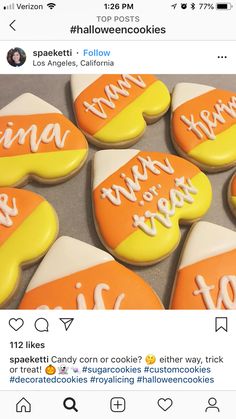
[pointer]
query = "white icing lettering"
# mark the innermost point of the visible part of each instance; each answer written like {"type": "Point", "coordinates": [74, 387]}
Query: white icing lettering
{"type": "Point", "coordinates": [210, 119]}
{"type": "Point", "coordinates": [133, 185]}
{"type": "Point", "coordinates": [113, 93]}
{"type": "Point", "coordinates": [98, 298]}
{"type": "Point", "coordinates": [7, 211]}
{"type": "Point", "coordinates": [50, 133]}
{"type": "Point", "coordinates": [166, 207]}
{"type": "Point", "coordinates": [223, 296]}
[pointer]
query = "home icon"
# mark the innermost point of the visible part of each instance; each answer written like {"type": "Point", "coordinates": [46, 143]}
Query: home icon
{"type": "Point", "coordinates": [23, 406]}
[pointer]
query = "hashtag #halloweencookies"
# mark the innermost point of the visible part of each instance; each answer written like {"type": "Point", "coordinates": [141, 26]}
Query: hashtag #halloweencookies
{"type": "Point", "coordinates": [113, 109]}
{"type": "Point", "coordinates": [206, 276]}
{"type": "Point", "coordinates": [75, 275]}
{"type": "Point", "coordinates": [28, 227]}
{"type": "Point", "coordinates": [139, 198]}
{"type": "Point", "coordinates": [37, 141]}
{"type": "Point", "coordinates": [203, 125]}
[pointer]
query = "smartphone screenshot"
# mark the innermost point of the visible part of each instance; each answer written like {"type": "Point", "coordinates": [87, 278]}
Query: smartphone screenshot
{"type": "Point", "coordinates": [117, 209]}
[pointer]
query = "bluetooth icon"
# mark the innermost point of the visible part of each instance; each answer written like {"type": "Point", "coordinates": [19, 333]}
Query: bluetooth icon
{"type": "Point", "coordinates": [193, 6]}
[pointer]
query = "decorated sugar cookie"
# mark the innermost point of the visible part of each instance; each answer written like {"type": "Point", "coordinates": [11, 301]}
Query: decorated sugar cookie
{"type": "Point", "coordinates": [204, 125]}
{"type": "Point", "coordinates": [37, 141]}
{"type": "Point", "coordinates": [206, 276]}
{"type": "Point", "coordinates": [28, 227]}
{"type": "Point", "coordinates": [140, 197]}
{"type": "Point", "coordinates": [75, 275]}
{"type": "Point", "coordinates": [113, 109]}
{"type": "Point", "coordinates": [232, 194]}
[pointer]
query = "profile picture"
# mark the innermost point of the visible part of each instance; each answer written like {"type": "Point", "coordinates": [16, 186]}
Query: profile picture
{"type": "Point", "coordinates": [16, 57]}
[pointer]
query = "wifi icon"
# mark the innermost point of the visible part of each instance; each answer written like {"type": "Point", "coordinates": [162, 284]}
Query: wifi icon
{"type": "Point", "coordinates": [51, 5]}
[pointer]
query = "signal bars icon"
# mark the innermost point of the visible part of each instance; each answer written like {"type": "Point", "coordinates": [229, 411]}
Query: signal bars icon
{"type": "Point", "coordinates": [9, 7]}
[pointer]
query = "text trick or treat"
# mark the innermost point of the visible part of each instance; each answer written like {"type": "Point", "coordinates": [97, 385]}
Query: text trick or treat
{"type": "Point", "coordinates": [140, 197]}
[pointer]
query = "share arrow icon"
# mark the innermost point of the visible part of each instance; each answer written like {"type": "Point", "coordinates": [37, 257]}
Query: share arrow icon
{"type": "Point", "coordinates": [67, 322]}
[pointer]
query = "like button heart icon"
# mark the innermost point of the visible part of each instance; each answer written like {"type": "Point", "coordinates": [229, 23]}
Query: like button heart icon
{"type": "Point", "coordinates": [165, 404]}
{"type": "Point", "coordinates": [16, 324]}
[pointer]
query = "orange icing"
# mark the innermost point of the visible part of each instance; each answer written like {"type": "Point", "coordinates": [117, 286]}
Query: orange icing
{"type": "Point", "coordinates": [92, 123]}
{"type": "Point", "coordinates": [186, 139]}
{"type": "Point", "coordinates": [63, 292]}
{"type": "Point", "coordinates": [116, 222]}
{"type": "Point", "coordinates": [25, 202]}
{"type": "Point", "coordinates": [74, 140]}
{"type": "Point", "coordinates": [233, 186]}
{"type": "Point", "coordinates": [212, 269]}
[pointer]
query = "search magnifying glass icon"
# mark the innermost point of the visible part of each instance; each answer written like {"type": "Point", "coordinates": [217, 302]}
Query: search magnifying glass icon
{"type": "Point", "coordinates": [70, 404]}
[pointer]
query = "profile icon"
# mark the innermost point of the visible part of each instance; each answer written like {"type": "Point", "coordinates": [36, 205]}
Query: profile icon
{"type": "Point", "coordinates": [16, 57]}
{"type": "Point", "coordinates": [212, 402]}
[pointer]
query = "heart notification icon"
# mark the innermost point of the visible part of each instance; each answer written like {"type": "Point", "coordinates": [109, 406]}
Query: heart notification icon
{"type": "Point", "coordinates": [16, 324]}
{"type": "Point", "coordinates": [165, 404]}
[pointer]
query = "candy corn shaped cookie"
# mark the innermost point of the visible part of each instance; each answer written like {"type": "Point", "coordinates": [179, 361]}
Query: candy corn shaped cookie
{"type": "Point", "coordinates": [37, 141]}
{"type": "Point", "coordinates": [28, 227]}
{"type": "Point", "coordinates": [140, 197]}
{"type": "Point", "coordinates": [204, 125]}
{"type": "Point", "coordinates": [75, 275]}
{"type": "Point", "coordinates": [206, 276]}
{"type": "Point", "coordinates": [232, 194]}
{"type": "Point", "coordinates": [113, 109]}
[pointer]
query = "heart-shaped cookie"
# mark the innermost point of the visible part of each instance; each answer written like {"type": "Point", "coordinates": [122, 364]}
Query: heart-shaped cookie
{"type": "Point", "coordinates": [113, 109]}
{"type": "Point", "coordinates": [203, 125]}
{"type": "Point", "coordinates": [232, 194]}
{"type": "Point", "coordinates": [75, 275]}
{"type": "Point", "coordinates": [140, 197]}
{"type": "Point", "coordinates": [206, 276]}
{"type": "Point", "coordinates": [37, 141]}
{"type": "Point", "coordinates": [28, 227]}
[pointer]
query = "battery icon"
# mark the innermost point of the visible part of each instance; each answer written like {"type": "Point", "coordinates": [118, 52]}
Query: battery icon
{"type": "Point", "coordinates": [224, 6]}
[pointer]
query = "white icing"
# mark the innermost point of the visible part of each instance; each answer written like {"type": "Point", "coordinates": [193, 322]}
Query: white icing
{"type": "Point", "coordinates": [113, 93]}
{"type": "Point", "coordinates": [98, 298]}
{"type": "Point", "coordinates": [65, 257]}
{"type": "Point", "coordinates": [166, 208]}
{"type": "Point", "coordinates": [28, 104]}
{"type": "Point", "coordinates": [50, 133]}
{"type": "Point", "coordinates": [210, 119]}
{"type": "Point", "coordinates": [133, 184]}
{"type": "Point", "coordinates": [183, 92]}
{"type": "Point", "coordinates": [7, 211]}
{"type": "Point", "coordinates": [223, 297]}
{"type": "Point", "coordinates": [107, 162]}
{"type": "Point", "coordinates": [206, 240]}
{"type": "Point", "coordinates": [81, 82]}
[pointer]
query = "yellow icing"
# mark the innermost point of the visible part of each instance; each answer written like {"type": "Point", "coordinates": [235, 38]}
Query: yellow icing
{"type": "Point", "coordinates": [140, 247]}
{"type": "Point", "coordinates": [218, 152]}
{"type": "Point", "coordinates": [29, 242]}
{"type": "Point", "coordinates": [129, 123]}
{"type": "Point", "coordinates": [233, 201]}
{"type": "Point", "coordinates": [49, 166]}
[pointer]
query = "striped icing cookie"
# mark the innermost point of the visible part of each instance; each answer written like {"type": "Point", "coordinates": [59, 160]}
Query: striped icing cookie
{"type": "Point", "coordinates": [204, 125]}
{"type": "Point", "coordinates": [37, 141]}
{"type": "Point", "coordinates": [113, 109]}
{"type": "Point", "coordinates": [140, 197]}
{"type": "Point", "coordinates": [28, 227]}
{"type": "Point", "coordinates": [206, 276]}
{"type": "Point", "coordinates": [232, 194]}
{"type": "Point", "coordinates": [75, 275]}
